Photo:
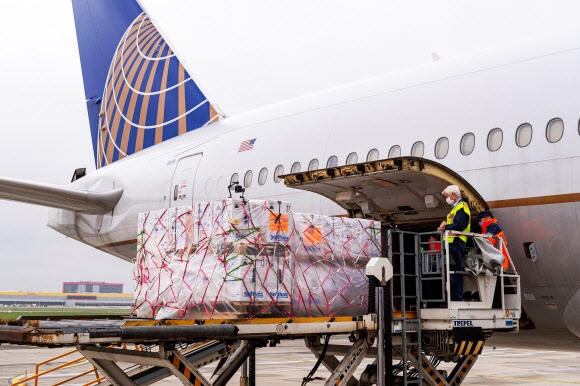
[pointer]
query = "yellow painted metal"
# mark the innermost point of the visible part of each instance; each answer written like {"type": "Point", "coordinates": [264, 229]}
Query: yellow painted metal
{"type": "Point", "coordinates": [98, 380]}
{"type": "Point", "coordinates": [37, 367]}
{"type": "Point", "coordinates": [131, 323]}
{"type": "Point", "coordinates": [408, 314]}
{"type": "Point", "coordinates": [78, 376]}
{"type": "Point", "coordinates": [55, 358]}
{"type": "Point", "coordinates": [188, 322]}
{"type": "Point", "coordinates": [37, 375]}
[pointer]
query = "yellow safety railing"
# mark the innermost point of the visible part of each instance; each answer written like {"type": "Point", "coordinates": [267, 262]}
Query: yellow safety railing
{"type": "Point", "coordinates": [76, 362]}
{"type": "Point", "coordinates": [38, 374]}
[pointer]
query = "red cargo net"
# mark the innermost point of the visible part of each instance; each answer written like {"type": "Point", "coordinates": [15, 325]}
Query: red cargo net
{"type": "Point", "coordinates": [227, 259]}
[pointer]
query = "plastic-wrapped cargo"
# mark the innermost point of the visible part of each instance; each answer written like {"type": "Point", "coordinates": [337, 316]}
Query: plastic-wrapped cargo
{"type": "Point", "coordinates": [186, 231]}
{"type": "Point", "coordinates": [156, 249]}
{"type": "Point", "coordinates": [331, 256]}
{"type": "Point", "coordinates": [231, 259]}
{"type": "Point", "coordinates": [275, 220]}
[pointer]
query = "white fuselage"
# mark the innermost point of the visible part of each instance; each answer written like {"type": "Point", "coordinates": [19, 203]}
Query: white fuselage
{"type": "Point", "coordinates": [533, 187]}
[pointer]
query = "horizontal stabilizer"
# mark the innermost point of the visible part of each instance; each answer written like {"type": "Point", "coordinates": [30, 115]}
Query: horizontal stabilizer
{"type": "Point", "coordinates": [58, 196]}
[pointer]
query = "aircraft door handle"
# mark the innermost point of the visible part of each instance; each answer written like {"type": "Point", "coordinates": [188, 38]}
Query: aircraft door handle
{"type": "Point", "coordinates": [175, 192]}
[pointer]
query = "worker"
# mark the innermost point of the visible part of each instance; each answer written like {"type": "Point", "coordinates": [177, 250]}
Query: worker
{"type": "Point", "coordinates": [489, 224]}
{"type": "Point", "coordinates": [458, 219]}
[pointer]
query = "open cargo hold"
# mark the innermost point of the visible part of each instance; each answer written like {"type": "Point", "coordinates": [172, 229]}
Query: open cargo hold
{"type": "Point", "coordinates": [230, 259]}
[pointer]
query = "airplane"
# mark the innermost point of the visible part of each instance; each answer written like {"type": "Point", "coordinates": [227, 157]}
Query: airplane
{"type": "Point", "coordinates": [160, 142]}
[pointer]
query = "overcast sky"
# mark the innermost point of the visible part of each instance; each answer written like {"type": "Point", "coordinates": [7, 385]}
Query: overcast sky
{"type": "Point", "coordinates": [243, 57]}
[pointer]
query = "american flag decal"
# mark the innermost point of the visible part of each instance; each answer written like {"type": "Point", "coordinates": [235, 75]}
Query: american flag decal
{"type": "Point", "coordinates": [247, 145]}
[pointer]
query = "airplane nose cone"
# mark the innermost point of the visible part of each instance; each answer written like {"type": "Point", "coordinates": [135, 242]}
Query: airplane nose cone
{"type": "Point", "coordinates": [571, 312]}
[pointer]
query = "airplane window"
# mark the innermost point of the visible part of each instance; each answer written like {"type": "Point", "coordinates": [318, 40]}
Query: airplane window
{"type": "Point", "coordinates": [234, 178]}
{"type": "Point", "coordinates": [248, 179]}
{"type": "Point", "coordinates": [332, 162]}
{"type": "Point", "coordinates": [352, 159]}
{"type": "Point", "coordinates": [524, 135]}
{"type": "Point", "coordinates": [373, 155]}
{"type": "Point", "coordinates": [295, 167]}
{"type": "Point", "coordinates": [395, 151]}
{"type": "Point", "coordinates": [555, 130]}
{"type": "Point", "coordinates": [277, 172]}
{"type": "Point", "coordinates": [418, 149]}
{"type": "Point", "coordinates": [262, 176]}
{"type": "Point", "coordinates": [209, 186]}
{"type": "Point", "coordinates": [494, 139]}
{"type": "Point", "coordinates": [221, 184]}
{"type": "Point", "coordinates": [467, 144]}
{"type": "Point", "coordinates": [441, 148]}
{"type": "Point", "coordinates": [313, 165]}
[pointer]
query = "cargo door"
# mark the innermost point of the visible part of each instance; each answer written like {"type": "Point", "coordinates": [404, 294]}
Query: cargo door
{"type": "Point", "coordinates": [405, 190]}
{"type": "Point", "coordinates": [183, 180]}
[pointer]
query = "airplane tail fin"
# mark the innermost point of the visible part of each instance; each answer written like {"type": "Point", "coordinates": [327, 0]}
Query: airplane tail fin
{"type": "Point", "coordinates": [138, 93]}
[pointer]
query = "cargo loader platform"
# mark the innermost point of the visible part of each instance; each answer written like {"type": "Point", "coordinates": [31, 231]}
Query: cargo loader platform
{"type": "Point", "coordinates": [106, 332]}
{"type": "Point", "coordinates": [229, 342]}
{"type": "Point", "coordinates": [410, 320]}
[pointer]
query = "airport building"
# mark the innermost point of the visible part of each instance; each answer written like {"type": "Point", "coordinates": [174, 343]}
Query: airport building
{"type": "Point", "coordinates": [56, 299]}
{"type": "Point", "coordinates": [89, 287]}
{"type": "Point", "coordinates": [74, 294]}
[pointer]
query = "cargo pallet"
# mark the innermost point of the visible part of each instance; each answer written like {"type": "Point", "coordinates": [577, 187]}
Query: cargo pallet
{"type": "Point", "coordinates": [410, 319]}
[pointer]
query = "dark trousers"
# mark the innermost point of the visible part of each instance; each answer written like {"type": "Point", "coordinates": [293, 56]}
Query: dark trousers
{"type": "Point", "coordinates": [456, 281]}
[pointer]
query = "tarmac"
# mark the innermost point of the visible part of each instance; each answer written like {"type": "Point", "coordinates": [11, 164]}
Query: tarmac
{"type": "Point", "coordinates": [532, 357]}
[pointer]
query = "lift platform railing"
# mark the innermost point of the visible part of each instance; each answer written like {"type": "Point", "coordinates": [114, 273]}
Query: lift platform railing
{"type": "Point", "coordinates": [403, 253]}
{"type": "Point", "coordinates": [509, 299]}
{"type": "Point", "coordinates": [433, 268]}
{"type": "Point", "coordinates": [422, 306]}
{"type": "Point", "coordinates": [422, 272]}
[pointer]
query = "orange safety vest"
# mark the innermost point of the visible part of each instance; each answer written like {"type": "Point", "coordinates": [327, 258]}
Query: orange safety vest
{"type": "Point", "coordinates": [501, 234]}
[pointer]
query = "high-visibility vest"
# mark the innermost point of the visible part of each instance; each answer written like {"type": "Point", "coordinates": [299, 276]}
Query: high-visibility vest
{"type": "Point", "coordinates": [501, 234]}
{"type": "Point", "coordinates": [460, 205]}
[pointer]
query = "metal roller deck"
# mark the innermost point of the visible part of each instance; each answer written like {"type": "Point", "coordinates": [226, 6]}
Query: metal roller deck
{"type": "Point", "coordinates": [86, 332]}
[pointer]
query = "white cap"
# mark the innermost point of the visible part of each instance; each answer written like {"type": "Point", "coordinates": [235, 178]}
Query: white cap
{"type": "Point", "coordinates": [452, 189]}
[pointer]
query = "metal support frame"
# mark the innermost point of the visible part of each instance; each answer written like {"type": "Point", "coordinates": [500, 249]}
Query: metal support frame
{"type": "Point", "coordinates": [381, 349]}
{"type": "Point", "coordinates": [435, 377]}
{"type": "Point", "coordinates": [429, 372]}
{"type": "Point", "coordinates": [234, 362]}
{"type": "Point", "coordinates": [384, 361]}
{"type": "Point", "coordinates": [181, 368]}
{"type": "Point", "coordinates": [343, 373]}
{"type": "Point", "coordinates": [244, 374]}
{"type": "Point", "coordinates": [252, 369]}
{"type": "Point", "coordinates": [236, 340]}
{"type": "Point", "coordinates": [165, 362]}
{"type": "Point", "coordinates": [461, 369]}
{"type": "Point", "coordinates": [433, 266]}
{"type": "Point", "coordinates": [329, 361]}
{"type": "Point", "coordinates": [410, 325]}
{"type": "Point", "coordinates": [112, 372]}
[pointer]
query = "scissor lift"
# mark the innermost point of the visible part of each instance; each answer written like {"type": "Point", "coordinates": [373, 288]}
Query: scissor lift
{"type": "Point", "coordinates": [410, 320]}
{"type": "Point", "coordinates": [431, 326]}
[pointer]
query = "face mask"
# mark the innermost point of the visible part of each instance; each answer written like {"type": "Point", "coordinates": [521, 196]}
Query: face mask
{"type": "Point", "coordinates": [480, 223]}
{"type": "Point", "coordinates": [449, 200]}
